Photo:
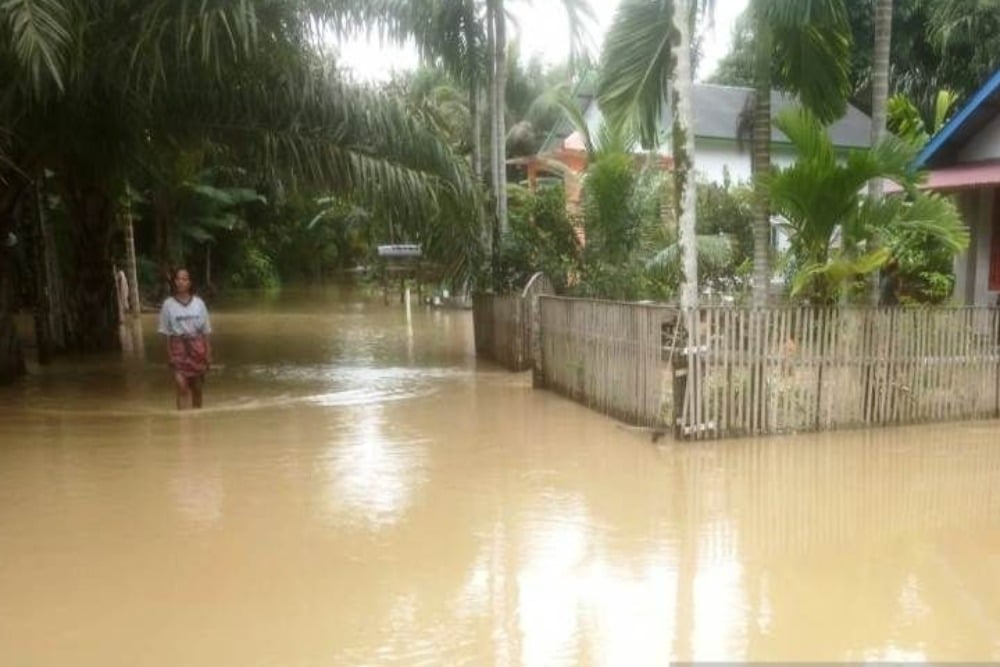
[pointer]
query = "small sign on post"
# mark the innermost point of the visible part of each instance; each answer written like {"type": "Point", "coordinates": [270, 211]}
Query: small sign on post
{"type": "Point", "coordinates": [400, 251]}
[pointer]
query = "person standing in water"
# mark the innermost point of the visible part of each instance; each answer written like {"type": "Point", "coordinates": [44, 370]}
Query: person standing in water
{"type": "Point", "coordinates": [184, 321]}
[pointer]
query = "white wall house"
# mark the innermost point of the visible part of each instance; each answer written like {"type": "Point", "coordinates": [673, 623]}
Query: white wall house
{"type": "Point", "coordinates": [964, 159]}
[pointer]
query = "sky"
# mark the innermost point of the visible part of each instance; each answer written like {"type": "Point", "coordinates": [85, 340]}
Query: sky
{"type": "Point", "coordinates": [537, 28]}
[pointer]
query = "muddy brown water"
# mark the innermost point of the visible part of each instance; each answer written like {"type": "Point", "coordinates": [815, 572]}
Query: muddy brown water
{"type": "Point", "coordinates": [361, 491]}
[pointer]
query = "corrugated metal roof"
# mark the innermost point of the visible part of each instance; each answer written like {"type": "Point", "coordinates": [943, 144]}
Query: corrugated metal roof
{"type": "Point", "coordinates": [960, 177]}
{"type": "Point", "coordinates": [717, 111]}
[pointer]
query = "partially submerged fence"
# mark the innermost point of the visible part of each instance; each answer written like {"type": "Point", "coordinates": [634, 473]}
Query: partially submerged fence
{"type": "Point", "coordinates": [726, 372]}
{"type": "Point", "coordinates": [746, 372]}
{"type": "Point", "coordinates": [503, 324]}
{"type": "Point", "coordinates": [605, 355]}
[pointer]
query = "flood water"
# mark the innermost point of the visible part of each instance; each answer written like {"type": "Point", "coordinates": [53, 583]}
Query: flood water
{"type": "Point", "coordinates": [361, 491]}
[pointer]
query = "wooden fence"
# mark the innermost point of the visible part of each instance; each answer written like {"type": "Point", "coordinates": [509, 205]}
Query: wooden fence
{"type": "Point", "coordinates": [503, 324]}
{"type": "Point", "coordinates": [499, 322]}
{"type": "Point", "coordinates": [605, 355]}
{"type": "Point", "coordinates": [748, 372]}
{"type": "Point", "coordinates": [723, 372]}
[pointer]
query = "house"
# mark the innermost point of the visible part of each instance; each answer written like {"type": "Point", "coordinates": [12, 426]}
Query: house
{"type": "Point", "coordinates": [963, 158]}
{"type": "Point", "coordinates": [720, 151]}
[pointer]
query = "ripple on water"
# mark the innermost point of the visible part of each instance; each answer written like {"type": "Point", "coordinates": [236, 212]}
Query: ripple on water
{"type": "Point", "coordinates": [259, 387]}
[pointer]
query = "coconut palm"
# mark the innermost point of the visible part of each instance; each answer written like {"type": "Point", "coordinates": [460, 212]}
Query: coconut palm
{"type": "Point", "coordinates": [838, 235]}
{"type": "Point", "coordinates": [639, 63]}
{"type": "Point", "coordinates": [97, 87]}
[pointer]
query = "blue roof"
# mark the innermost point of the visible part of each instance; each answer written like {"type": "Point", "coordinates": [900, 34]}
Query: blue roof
{"type": "Point", "coordinates": [977, 112]}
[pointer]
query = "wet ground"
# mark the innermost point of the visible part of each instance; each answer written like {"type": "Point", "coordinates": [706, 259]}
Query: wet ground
{"type": "Point", "coordinates": [361, 491]}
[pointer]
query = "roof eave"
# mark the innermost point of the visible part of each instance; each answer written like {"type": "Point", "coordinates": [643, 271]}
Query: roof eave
{"type": "Point", "coordinates": [940, 140]}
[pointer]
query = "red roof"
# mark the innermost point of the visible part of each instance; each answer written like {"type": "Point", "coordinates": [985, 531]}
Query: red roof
{"type": "Point", "coordinates": [959, 177]}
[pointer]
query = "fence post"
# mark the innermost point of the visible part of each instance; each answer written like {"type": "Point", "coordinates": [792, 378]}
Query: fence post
{"type": "Point", "coordinates": [996, 366]}
{"type": "Point", "coordinates": [537, 366]}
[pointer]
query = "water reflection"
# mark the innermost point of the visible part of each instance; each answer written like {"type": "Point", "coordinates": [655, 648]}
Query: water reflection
{"type": "Point", "coordinates": [196, 484]}
{"type": "Point", "coordinates": [131, 336]}
{"type": "Point", "coordinates": [836, 531]}
{"type": "Point", "coordinates": [372, 473]}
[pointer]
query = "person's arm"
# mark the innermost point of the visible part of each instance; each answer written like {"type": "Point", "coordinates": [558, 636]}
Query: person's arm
{"type": "Point", "coordinates": [164, 327]}
{"type": "Point", "coordinates": [206, 331]}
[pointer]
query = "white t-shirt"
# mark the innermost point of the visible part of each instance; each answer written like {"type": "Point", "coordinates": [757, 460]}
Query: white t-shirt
{"type": "Point", "coordinates": [177, 319]}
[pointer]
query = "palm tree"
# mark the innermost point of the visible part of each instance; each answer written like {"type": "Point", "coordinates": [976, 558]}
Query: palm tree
{"type": "Point", "coordinates": [97, 86]}
{"type": "Point", "coordinates": [807, 42]}
{"type": "Point", "coordinates": [838, 235]}
{"type": "Point", "coordinates": [804, 42]}
{"type": "Point", "coordinates": [647, 52]}
{"type": "Point", "coordinates": [469, 39]}
{"type": "Point", "coordinates": [880, 95]}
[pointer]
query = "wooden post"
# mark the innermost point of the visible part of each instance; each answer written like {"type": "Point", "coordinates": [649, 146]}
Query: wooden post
{"type": "Point", "coordinates": [821, 353]}
{"type": "Point", "coordinates": [996, 366]}
{"type": "Point", "coordinates": [537, 365]}
{"type": "Point", "coordinates": [43, 322]}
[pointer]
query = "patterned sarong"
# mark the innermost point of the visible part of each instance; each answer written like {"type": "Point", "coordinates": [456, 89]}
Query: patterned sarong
{"type": "Point", "coordinates": [188, 355]}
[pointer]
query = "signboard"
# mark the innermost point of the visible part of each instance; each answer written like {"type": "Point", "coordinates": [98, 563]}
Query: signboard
{"type": "Point", "coordinates": [399, 251]}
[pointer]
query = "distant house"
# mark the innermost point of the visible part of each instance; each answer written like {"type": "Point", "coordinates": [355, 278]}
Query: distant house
{"type": "Point", "coordinates": [964, 158]}
{"type": "Point", "coordinates": [719, 150]}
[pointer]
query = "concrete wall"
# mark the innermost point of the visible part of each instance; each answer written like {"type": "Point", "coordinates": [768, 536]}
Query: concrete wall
{"type": "Point", "coordinates": [972, 267]}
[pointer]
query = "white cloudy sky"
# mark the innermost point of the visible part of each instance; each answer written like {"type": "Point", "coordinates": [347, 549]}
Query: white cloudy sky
{"type": "Point", "coordinates": [540, 31]}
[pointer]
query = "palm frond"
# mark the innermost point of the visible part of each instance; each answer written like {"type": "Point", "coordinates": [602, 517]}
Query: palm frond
{"type": "Point", "coordinates": [812, 41]}
{"type": "Point", "coordinates": [560, 97]}
{"type": "Point", "coordinates": [38, 32]}
{"type": "Point", "coordinates": [713, 250]}
{"type": "Point", "coordinates": [636, 67]}
{"type": "Point", "coordinates": [579, 19]}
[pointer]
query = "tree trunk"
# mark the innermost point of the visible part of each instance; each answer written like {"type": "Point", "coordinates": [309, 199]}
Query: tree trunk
{"type": "Point", "coordinates": [477, 131]}
{"type": "Point", "coordinates": [880, 79]}
{"type": "Point", "coordinates": [473, 46]}
{"type": "Point", "coordinates": [208, 266]}
{"type": "Point", "coordinates": [92, 298]}
{"type": "Point", "coordinates": [11, 355]}
{"type": "Point", "coordinates": [683, 150]}
{"type": "Point", "coordinates": [164, 247]}
{"type": "Point", "coordinates": [43, 320]}
{"type": "Point", "coordinates": [880, 100]}
{"type": "Point", "coordinates": [60, 323]}
{"type": "Point", "coordinates": [760, 164]}
{"type": "Point", "coordinates": [491, 218]}
{"type": "Point", "coordinates": [132, 270]}
{"type": "Point", "coordinates": [499, 111]}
